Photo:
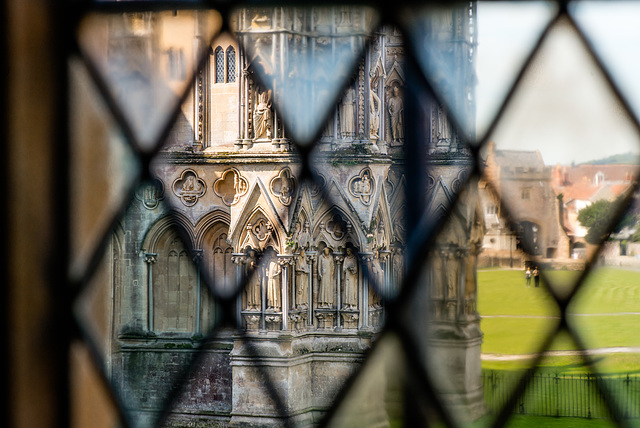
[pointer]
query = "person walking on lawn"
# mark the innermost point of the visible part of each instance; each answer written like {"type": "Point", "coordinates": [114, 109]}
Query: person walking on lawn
{"type": "Point", "coordinates": [536, 277]}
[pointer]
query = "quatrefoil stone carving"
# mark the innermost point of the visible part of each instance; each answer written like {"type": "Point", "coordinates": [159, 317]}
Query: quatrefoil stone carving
{"type": "Point", "coordinates": [230, 187]}
{"type": "Point", "coordinates": [283, 186]}
{"type": "Point", "coordinates": [189, 187]}
{"type": "Point", "coordinates": [361, 186]}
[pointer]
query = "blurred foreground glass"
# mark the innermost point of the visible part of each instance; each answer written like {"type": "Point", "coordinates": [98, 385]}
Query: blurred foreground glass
{"type": "Point", "coordinates": [148, 61]}
{"type": "Point", "coordinates": [302, 58]}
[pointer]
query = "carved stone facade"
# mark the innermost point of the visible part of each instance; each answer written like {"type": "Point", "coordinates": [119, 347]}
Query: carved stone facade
{"type": "Point", "coordinates": [318, 259]}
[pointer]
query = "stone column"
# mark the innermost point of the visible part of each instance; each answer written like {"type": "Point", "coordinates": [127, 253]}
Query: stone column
{"type": "Point", "coordinates": [339, 258]}
{"type": "Point", "coordinates": [150, 259]}
{"type": "Point", "coordinates": [385, 258]}
{"type": "Point", "coordinates": [197, 258]}
{"type": "Point", "coordinates": [239, 260]}
{"type": "Point", "coordinates": [364, 298]}
{"type": "Point", "coordinates": [310, 260]}
{"type": "Point", "coordinates": [461, 255]}
{"type": "Point", "coordinates": [284, 261]}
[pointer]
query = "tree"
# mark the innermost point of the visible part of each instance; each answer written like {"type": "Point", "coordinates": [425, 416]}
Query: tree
{"type": "Point", "coordinates": [597, 218]}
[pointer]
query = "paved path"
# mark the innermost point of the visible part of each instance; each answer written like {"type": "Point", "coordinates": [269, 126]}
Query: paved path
{"type": "Point", "coordinates": [598, 351]}
{"type": "Point", "coordinates": [571, 314]}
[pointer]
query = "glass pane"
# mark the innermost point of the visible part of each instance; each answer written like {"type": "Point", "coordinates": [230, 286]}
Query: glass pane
{"type": "Point", "coordinates": [466, 320]}
{"type": "Point", "coordinates": [147, 61]}
{"type": "Point", "coordinates": [561, 185]}
{"type": "Point", "coordinates": [473, 52]}
{"type": "Point", "coordinates": [91, 402]}
{"type": "Point", "coordinates": [103, 168]}
{"type": "Point", "coordinates": [608, 27]}
{"type": "Point", "coordinates": [146, 309]}
{"type": "Point", "coordinates": [299, 59]}
{"type": "Point", "coordinates": [376, 398]}
{"type": "Point", "coordinates": [563, 387]}
{"type": "Point", "coordinates": [605, 315]}
{"type": "Point", "coordinates": [219, 55]}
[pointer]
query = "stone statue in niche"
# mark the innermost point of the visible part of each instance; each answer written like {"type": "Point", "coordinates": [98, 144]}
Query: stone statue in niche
{"type": "Point", "coordinates": [255, 281]}
{"type": "Point", "coordinates": [303, 235]}
{"type": "Point", "coordinates": [348, 114]}
{"type": "Point", "coordinates": [350, 280]}
{"type": "Point", "coordinates": [377, 277]}
{"type": "Point", "coordinates": [262, 117]}
{"type": "Point", "coordinates": [443, 128]}
{"type": "Point", "coordinates": [395, 107]}
{"type": "Point", "coordinates": [452, 277]}
{"type": "Point", "coordinates": [273, 275]}
{"type": "Point", "coordinates": [302, 280]}
{"type": "Point", "coordinates": [374, 115]}
{"type": "Point", "coordinates": [476, 236]}
{"type": "Point", "coordinates": [326, 277]}
{"type": "Point", "coordinates": [397, 265]}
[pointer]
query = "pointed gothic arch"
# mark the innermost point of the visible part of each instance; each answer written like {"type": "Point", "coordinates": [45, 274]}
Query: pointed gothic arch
{"type": "Point", "coordinates": [335, 227]}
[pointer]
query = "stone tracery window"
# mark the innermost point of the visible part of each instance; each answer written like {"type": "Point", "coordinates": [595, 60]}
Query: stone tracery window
{"type": "Point", "coordinates": [174, 287]}
{"type": "Point", "coordinates": [231, 64]}
{"type": "Point", "coordinates": [225, 64]}
{"type": "Point", "coordinates": [219, 65]}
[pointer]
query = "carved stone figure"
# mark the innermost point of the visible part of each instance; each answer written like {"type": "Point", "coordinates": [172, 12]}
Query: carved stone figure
{"type": "Point", "coordinates": [273, 274]}
{"type": "Point", "coordinates": [348, 114]}
{"type": "Point", "coordinates": [475, 244]}
{"type": "Point", "coordinates": [377, 276]}
{"type": "Point", "coordinates": [374, 115]}
{"type": "Point", "coordinates": [151, 194]}
{"type": "Point", "coordinates": [397, 265]}
{"type": "Point", "coordinates": [302, 280]}
{"type": "Point", "coordinates": [350, 280]}
{"type": "Point", "coordinates": [326, 277]}
{"type": "Point", "coordinates": [303, 236]}
{"type": "Point", "coordinates": [361, 186]}
{"type": "Point", "coordinates": [443, 128]}
{"type": "Point", "coordinates": [255, 281]}
{"type": "Point", "coordinates": [189, 188]}
{"type": "Point", "coordinates": [262, 117]}
{"type": "Point", "coordinates": [396, 112]}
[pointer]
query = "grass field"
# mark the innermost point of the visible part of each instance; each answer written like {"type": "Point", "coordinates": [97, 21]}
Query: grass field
{"type": "Point", "coordinates": [606, 312]}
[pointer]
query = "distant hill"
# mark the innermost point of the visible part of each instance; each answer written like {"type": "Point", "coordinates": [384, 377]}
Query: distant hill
{"type": "Point", "coordinates": [623, 158]}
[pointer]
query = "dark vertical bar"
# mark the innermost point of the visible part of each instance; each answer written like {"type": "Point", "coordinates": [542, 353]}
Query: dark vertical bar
{"type": "Point", "coordinates": [4, 214]}
{"type": "Point", "coordinates": [62, 293]}
{"type": "Point", "coordinates": [589, 396]}
{"type": "Point", "coordinates": [557, 396]}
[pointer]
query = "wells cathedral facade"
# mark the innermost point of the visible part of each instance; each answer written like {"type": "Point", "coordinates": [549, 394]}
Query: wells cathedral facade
{"type": "Point", "coordinates": [319, 258]}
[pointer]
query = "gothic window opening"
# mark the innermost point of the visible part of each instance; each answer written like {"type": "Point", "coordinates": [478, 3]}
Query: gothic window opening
{"type": "Point", "coordinates": [225, 64]}
{"type": "Point", "coordinates": [231, 64]}
{"type": "Point", "coordinates": [219, 64]}
{"type": "Point", "coordinates": [174, 287]}
{"type": "Point", "coordinates": [217, 258]}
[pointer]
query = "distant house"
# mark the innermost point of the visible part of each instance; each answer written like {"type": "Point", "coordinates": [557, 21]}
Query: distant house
{"type": "Point", "coordinates": [582, 185]}
{"type": "Point", "coordinates": [523, 182]}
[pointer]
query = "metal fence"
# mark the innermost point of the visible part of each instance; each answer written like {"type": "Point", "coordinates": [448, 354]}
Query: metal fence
{"type": "Point", "coordinates": [564, 395]}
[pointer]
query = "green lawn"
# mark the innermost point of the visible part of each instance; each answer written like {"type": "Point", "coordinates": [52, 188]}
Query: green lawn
{"type": "Point", "coordinates": [607, 292]}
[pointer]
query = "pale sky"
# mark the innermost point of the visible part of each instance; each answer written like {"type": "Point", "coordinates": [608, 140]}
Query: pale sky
{"type": "Point", "coordinates": [563, 106]}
